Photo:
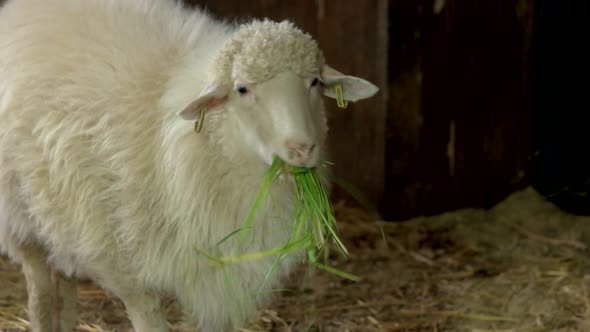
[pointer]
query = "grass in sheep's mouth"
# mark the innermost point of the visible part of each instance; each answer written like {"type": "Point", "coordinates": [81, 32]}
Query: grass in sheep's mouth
{"type": "Point", "coordinates": [313, 229]}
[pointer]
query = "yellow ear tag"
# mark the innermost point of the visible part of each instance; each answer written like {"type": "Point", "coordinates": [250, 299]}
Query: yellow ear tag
{"type": "Point", "coordinates": [199, 123]}
{"type": "Point", "coordinates": [340, 96]}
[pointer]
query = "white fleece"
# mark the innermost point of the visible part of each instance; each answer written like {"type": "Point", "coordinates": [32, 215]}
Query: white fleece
{"type": "Point", "coordinates": [98, 170]}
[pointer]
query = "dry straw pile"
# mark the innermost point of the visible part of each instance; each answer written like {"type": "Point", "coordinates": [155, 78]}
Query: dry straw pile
{"type": "Point", "coordinates": [523, 265]}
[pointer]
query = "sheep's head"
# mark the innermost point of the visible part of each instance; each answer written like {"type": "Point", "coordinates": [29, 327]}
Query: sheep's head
{"type": "Point", "coordinates": [269, 78]}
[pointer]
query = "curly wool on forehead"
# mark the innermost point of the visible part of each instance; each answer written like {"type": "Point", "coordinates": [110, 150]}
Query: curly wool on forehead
{"type": "Point", "coordinates": [259, 50]}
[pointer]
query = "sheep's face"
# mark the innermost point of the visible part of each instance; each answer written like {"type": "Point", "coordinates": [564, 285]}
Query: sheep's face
{"type": "Point", "coordinates": [269, 78]}
{"type": "Point", "coordinates": [282, 116]}
{"type": "Point", "coordinates": [279, 117]}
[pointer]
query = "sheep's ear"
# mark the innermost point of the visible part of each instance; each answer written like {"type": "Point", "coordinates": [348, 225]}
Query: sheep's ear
{"type": "Point", "coordinates": [211, 97]}
{"type": "Point", "coordinates": [353, 88]}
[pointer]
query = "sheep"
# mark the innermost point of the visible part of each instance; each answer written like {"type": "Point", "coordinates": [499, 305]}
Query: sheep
{"type": "Point", "coordinates": [102, 176]}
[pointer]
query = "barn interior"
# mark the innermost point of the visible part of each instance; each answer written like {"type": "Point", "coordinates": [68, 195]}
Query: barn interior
{"type": "Point", "coordinates": [462, 189]}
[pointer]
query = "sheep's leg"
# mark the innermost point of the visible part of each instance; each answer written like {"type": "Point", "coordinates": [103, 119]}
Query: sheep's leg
{"type": "Point", "coordinates": [143, 308]}
{"type": "Point", "coordinates": [39, 289]}
{"type": "Point", "coordinates": [65, 311]}
{"type": "Point", "coordinates": [69, 294]}
{"type": "Point", "coordinates": [52, 297]}
{"type": "Point", "coordinates": [145, 313]}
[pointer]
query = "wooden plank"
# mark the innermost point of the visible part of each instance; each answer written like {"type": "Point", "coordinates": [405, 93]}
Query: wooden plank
{"type": "Point", "coordinates": [353, 35]}
{"type": "Point", "coordinates": [475, 129]}
{"type": "Point", "coordinates": [409, 39]}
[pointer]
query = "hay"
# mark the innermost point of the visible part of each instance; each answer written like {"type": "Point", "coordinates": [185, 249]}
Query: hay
{"type": "Point", "coordinates": [313, 229]}
{"type": "Point", "coordinates": [11, 317]}
{"type": "Point", "coordinates": [521, 266]}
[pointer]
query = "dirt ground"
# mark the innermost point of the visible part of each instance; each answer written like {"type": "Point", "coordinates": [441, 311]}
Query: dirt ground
{"type": "Point", "coordinates": [521, 266]}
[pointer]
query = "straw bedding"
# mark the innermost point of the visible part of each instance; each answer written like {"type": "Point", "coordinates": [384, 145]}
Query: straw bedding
{"type": "Point", "coordinates": [521, 266]}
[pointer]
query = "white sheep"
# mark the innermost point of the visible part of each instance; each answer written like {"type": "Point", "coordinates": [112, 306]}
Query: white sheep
{"type": "Point", "coordinates": [102, 177]}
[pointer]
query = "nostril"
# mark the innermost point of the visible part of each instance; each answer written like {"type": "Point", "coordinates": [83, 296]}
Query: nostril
{"type": "Point", "coordinates": [299, 151]}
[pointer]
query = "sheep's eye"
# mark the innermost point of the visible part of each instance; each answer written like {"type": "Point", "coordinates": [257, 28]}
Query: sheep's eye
{"type": "Point", "coordinates": [315, 82]}
{"type": "Point", "coordinates": [242, 90]}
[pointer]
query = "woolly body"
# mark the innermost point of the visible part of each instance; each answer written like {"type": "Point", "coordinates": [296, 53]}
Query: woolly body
{"type": "Point", "coordinates": [102, 179]}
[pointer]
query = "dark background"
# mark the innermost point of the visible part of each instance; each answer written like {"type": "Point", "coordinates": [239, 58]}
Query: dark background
{"type": "Point", "coordinates": [561, 164]}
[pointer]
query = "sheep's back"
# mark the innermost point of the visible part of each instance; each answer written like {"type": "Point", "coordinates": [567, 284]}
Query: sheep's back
{"type": "Point", "coordinates": [110, 183]}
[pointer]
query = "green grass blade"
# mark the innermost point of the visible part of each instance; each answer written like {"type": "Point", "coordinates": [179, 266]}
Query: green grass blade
{"type": "Point", "coordinates": [296, 245]}
{"type": "Point", "coordinates": [228, 236]}
{"type": "Point", "coordinates": [209, 256]}
{"type": "Point", "coordinates": [340, 273]}
{"type": "Point", "coordinates": [268, 179]}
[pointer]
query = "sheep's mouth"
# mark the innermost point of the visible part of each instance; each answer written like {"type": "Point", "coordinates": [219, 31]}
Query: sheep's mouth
{"type": "Point", "coordinates": [299, 168]}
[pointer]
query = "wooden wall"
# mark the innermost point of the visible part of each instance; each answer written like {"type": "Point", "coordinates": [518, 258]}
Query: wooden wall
{"type": "Point", "coordinates": [460, 116]}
